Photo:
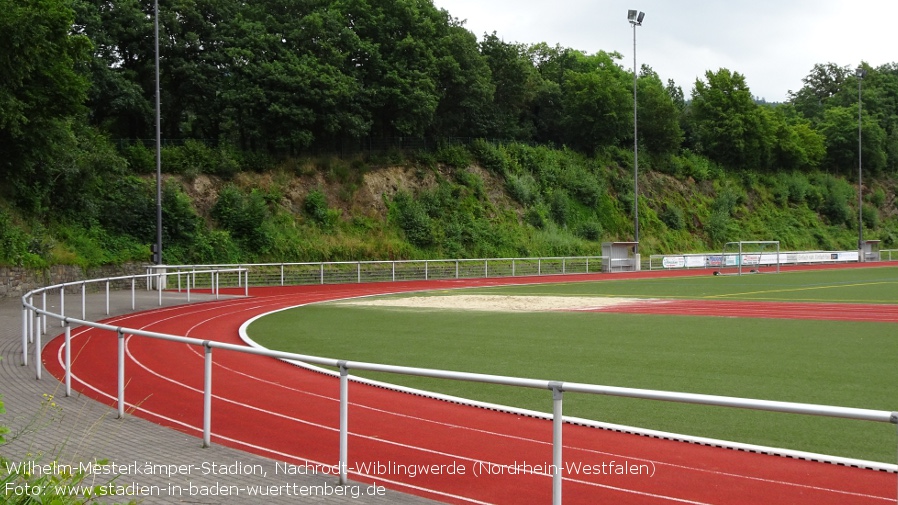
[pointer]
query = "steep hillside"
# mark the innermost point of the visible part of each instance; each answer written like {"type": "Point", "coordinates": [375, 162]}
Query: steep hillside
{"type": "Point", "coordinates": [482, 200]}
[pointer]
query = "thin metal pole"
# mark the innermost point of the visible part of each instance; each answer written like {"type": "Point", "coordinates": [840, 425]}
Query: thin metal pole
{"type": "Point", "coordinates": [44, 316]}
{"type": "Point", "coordinates": [635, 152]}
{"type": "Point", "coordinates": [557, 423]}
{"type": "Point", "coordinates": [207, 396]}
{"type": "Point", "coordinates": [62, 302]}
{"type": "Point", "coordinates": [121, 374]}
{"type": "Point", "coordinates": [133, 293]}
{"type": "Point", "coordinates": [860, 186]}
{"type": "Point", "coordinates": [83, 300]}
{"type": "Point", "coordinates": [37, 349]}
{"type": "Point", "coordinates": [158, 139]}
{"type": "Point", "coordinates": [344, 421]}
{"type": "Point", "coordinates": [25, 317]}
{"type": "Point", "coordinates": [68, 359]}
{"type": "Point", "coordinates": [107, 298]}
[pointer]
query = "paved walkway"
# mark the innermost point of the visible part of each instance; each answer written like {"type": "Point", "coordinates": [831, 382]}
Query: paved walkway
{"type": "Point", "coordinates": [154, 461]}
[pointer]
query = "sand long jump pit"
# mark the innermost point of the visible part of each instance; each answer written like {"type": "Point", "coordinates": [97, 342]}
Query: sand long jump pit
{"type": "Point", "coordinates": [499, 303]}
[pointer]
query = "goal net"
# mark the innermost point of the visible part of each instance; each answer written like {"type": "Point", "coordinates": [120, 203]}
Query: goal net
{"type": "Point", "coordinates": [749, 257]}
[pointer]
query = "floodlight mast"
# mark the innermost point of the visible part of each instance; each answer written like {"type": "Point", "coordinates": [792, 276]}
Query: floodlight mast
{"type": "Point", "coordinates": [860, 73]}
{"type": "Point", "coordinates": [635, 17]}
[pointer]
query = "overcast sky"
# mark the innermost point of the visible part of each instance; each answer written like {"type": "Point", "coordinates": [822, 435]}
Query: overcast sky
{"type": "Point", "coordinates": [774, 44]}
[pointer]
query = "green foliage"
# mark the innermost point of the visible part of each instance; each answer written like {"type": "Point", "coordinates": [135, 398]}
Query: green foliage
{"type": "Point", "coordinates": [836, 195]}
{"type": "Point", "coordinates": [42, 90]}
{"type": "Point", "coordinates": [195, 157]}
{"type": "Point", "coordinates": [560, 207]}
{"type": "Point", "coordinates": [412, 218]}
{"type": "Point", "coordinates": [315, 208]}
{"type": "Point", "coordinates": [140, 158]}
{"type": "Point", "coordinates": [590, 230]}
{"type": "Point", "coordinates": [245, 217]}
{"type": "Point", "coordinates": [16, 245]}
{"type": "Point", "coordinates": [718, 227]}
{"type": "Point", "coordinates": [489, 156]}
{"type": "Point", "coordinates": [673, 217]}
{"type": "Point", "coordinates": [870, 217]}
{"type": "Point", "coordinates": [456, 156]}
{"type": "Point", "coordinates": [523, 188]}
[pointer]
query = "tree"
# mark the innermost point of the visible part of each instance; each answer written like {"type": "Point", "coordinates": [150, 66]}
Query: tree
{"type": "Point", "coordinates": [466, 89]}
{"type": "Point", "coordinates": [824, 82]}
{"type": "Point", "coordinates": [516, 83]}
{"type": "Point", "coordinates": [658, 114]}
{"type": "Point", "coordinates": [596, 102]}
{"type": "Point", "coordinates": [839, 128]}
{"type": "Point", "coordinates": [41, 91]}
{"type": "Point", "coordinates": [728, 125]}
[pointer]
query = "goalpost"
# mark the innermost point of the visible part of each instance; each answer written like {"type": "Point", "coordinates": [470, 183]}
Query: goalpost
{"type": "Point", "coordinates": [749, 256]}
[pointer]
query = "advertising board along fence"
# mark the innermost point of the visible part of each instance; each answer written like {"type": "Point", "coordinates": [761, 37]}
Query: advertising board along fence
{"type": "Point", "coordinates": [33, 327]}
{"type": "Point", "coordinates": [717, 259]}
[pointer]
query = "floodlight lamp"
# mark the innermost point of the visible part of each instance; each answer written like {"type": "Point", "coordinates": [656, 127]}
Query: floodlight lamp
{"type": "Point", "coordinates": [631, 15]}
{"type": "Point", "coordinates": [861, 72]}
{"type": "Point", "coordinates": [641, 16]}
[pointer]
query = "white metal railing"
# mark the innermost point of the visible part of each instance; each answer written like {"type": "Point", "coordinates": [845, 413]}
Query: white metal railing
{"type": "Point", "coordinates": [34, 314]}
{"type": "Point", "coordinates": [343, 272]}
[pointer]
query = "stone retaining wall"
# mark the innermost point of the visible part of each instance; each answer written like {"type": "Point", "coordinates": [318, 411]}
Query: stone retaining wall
{"type": "Point", "coordinates": [16, 281]}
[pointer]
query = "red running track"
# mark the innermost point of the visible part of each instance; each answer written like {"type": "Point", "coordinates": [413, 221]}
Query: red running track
{"type": "Point", "coordinates": [271, 408]}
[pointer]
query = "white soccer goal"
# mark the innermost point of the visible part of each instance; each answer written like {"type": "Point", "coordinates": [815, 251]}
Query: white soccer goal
{"type": "Point", "coordinates": [749, 256]}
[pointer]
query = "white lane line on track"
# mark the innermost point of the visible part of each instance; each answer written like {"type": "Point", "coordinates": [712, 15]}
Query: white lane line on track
{"type": "Point", "coordinates": [327, 428]}
{"type": "Point", "coordinates": [255, 305]}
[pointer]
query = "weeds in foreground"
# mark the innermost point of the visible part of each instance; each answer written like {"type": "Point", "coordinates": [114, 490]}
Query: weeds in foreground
{"type": "Point", "coordinates": [37, 479]}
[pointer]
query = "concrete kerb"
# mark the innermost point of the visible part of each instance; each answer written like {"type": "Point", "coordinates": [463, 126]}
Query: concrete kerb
{"type": "Point", "coordinates": [46, 426]}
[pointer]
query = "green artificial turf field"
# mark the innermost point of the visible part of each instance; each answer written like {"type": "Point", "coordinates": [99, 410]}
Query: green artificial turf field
{"type": "Point", "coordinates": [826, 362]}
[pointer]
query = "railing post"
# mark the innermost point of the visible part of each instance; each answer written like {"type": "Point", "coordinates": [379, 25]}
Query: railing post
{"type": "Point", "coordinates": [107, 297]}
{"type": "Point", "coordinates": [321, 267]}
{"type": "Point", "coordinates": [539, 266]}
{"type": "Point", "coordinates": [512, 267]}
{"type": "Point", "coordinates": [358, 272]}
{"type": "Point", "coordinates": [121, 374]}
{"type": "Point", "coordinates": [25, 317]}
{"type": "Point", "coordinates": [36, 324]}
{"type": "Point", "coordinates": [159, 287]}
{"type": "Point", "coordinates": [282, 274]}
{"type": "Point", "coordinates": [37, 347]}
{"type": "Point", "coordinates": [486, 268]}
{"type": "Point", "coordinates": [207, 396]}
{"type": "Point", "coordinates": [68, 358]}
{"type": "Point", "coordinates": [44, 316]}
{"type": "Point", "coordinates": [426, 270]}
{"type": "Point", "coordinates": [246, 286]}
{"type": "Point", "coordinates": [344, 421]}
{"type": "Point", "coordinates": [393, 265]}
{"type": "Point", "coordinates": [133, 293]}
{"type": "Point", "coordinates": [456, 269]}
{"type": "Point", "coordinates": [557, 423]}
{"type": "Point", "coordinates": [30, 327]}
{"type": "Point", "coordinates": [62, 302]}
{"type": "Point", "coordinates": [83, 300]}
